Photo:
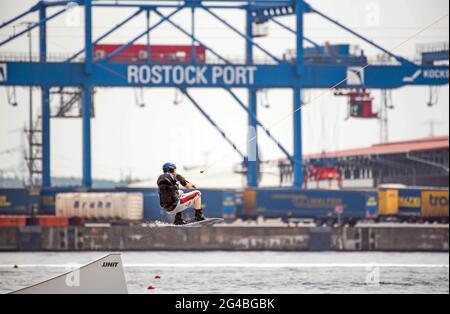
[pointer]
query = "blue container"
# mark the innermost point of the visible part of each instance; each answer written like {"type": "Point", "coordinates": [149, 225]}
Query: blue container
{"type": "Point", "coordinates": [216, 203]}
{"type": "Point", "coordinates": [315, 204]}
{"type": "Point", "coordinates": [18, 201]}
{"type": "Point", "coordinates": [219, 203]}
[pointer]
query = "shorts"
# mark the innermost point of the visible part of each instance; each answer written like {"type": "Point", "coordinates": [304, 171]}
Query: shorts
{"type": "Point", "coordinates": [186, 201]}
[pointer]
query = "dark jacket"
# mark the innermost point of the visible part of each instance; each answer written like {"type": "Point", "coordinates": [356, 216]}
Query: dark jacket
{"type": "Point", "coordinates": [169, 190]}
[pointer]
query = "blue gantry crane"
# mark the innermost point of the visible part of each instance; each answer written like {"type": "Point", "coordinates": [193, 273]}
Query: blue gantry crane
{"type": "Point", "coordinates": [310, 66]}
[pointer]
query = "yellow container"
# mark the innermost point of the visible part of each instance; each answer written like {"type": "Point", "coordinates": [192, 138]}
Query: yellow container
{"type": "Point", "coordinates": [435, 203]}
{"type": "Point", "coordinates": [388, 202]}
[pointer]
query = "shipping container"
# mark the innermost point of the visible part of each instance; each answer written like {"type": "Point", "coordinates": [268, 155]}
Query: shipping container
{"type": "Point", "coordinates": [316, 204]}
{"type": "Point", "coordinates": [48, 221]}
{"type": "Point", "coordinates": [100, 206]}
{"type": "Point", "coordinates": [18, 201]}
{"type": "Point", "coordinates": [12, 221]}
{"type": "Point", "coordinates": [48, 198]}
{"type": "Point", "coordinates": [416, 203]}
{"type": "Point", "coordinates": [388, 202]}
{"type": "Point", "coordinates": [435, 204]}
{"type": "Point", "coordinates": [219, 203]}
{"type": "Point", "coordinates": [152, 209]}
{"type": "Point", "coordinates": [181, 54]}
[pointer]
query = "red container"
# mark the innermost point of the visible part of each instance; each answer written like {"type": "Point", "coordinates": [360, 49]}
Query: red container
{"type": "Point", "coordinates": [181, 54]}
{"type": "Point", "coordinates": [12, 221]}
{"type": "Point", "coordinates": [48, 221]}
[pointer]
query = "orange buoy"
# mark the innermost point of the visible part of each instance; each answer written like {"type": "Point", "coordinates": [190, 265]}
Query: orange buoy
{"type": "Point", "coordinates": [157, 277]}
{"type": "Point", "coordinates": [151, 288]}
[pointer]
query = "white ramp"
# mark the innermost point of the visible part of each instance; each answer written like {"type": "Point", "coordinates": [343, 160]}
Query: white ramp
{"type": "Point", "coordinates": [104, 276]}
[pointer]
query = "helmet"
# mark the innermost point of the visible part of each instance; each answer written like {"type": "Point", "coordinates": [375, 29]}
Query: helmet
{"type": "Point", "coordinates": [168, 167]}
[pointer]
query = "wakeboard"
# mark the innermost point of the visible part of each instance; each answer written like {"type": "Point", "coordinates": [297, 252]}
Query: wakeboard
{"type": "Point", "coordinates": [206, 222]}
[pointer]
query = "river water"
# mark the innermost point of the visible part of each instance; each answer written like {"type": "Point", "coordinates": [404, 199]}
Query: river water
{"type": "Point", "coordinates": [247, 272]}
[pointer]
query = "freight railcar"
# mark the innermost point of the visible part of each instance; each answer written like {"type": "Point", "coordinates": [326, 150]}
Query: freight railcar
{"type": "Point", "coordinates": [323, 206]}
{"type": "Point", "coordinates": [415, 204]}
{"type": "Point", "coordinates": [216, 203]}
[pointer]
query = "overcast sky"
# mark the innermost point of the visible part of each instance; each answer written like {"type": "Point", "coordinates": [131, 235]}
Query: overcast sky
{"type": "Point", "coordinates": [129, 139]}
